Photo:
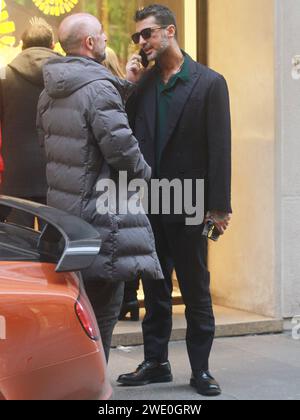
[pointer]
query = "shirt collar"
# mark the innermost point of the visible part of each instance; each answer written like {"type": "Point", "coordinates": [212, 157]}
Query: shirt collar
{"type": "Point", "coordinates": [183, 74]}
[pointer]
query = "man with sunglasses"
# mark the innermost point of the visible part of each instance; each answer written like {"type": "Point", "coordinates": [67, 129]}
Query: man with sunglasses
{"type": "Point", "coordinates": [180, 115]}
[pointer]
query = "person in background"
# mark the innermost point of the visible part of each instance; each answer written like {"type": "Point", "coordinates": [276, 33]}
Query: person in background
{"type": "Point", "coordinates": [112, 63]}
{"type": "Point", "coordinates": [24, 161]}
{"type": "Point", "coordinates": [130, 301]}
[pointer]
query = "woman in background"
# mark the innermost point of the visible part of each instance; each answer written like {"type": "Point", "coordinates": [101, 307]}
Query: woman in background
{"type": "Point", "coordinates": [112, 63]}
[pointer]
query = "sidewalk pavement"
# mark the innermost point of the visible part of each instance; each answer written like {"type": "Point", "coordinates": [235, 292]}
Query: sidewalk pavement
{"type": "Point", "coordinates": [248, 368]}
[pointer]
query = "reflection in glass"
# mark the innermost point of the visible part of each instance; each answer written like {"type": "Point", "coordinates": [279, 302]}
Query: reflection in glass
{"type": "Point", "coordinates": [115, 15]}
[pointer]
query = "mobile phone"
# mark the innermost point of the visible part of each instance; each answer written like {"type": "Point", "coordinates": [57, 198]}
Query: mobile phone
{"type": "Point", "coordinates": [210, 231]}
{"type": "Point", "coordinates": [145, 62]}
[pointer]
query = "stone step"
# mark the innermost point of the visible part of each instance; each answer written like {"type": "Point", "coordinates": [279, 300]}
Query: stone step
{"type": "Point", "coordinates": [229, 323]}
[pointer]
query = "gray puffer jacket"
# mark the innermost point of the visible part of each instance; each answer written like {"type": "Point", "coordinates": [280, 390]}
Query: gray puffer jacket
{"type": "Point", "coordinates": [84, 127]}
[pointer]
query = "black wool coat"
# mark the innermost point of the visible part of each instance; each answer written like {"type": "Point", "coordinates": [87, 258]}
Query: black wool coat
{"type": "Point", "coordinates": [198, 140]}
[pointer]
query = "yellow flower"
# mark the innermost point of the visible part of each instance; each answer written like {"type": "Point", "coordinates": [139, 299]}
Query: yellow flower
{"type": "Point", "coordinates": [6, 28]}
{"type": "Point", "coordinates": [55, 7]}
{"type": "Point", "coordinates": [59, 49]}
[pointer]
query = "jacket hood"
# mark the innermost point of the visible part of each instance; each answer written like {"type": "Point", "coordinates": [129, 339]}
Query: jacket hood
{"type": "Point", "coordinates": [29, 64]}
{"type": "Point", "coordinates": [65, 75]}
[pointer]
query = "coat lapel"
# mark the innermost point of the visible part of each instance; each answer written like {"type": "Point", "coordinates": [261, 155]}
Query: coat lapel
{"type": "Point", "coordinates": [149, 96]}
{"type": "Point", "coordinates": [151, 111]}
{"type": "Point", "coordinates": [182, 93]}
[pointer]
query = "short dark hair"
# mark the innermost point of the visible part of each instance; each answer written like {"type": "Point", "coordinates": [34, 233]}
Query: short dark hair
{"type": "Point", "coordinates": [39, 34]}
{"type": "Point", "coordinates": [163, 15]}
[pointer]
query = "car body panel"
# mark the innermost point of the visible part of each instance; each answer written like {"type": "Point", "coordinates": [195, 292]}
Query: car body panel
{"type": "Point", "coordinates": [46, 350]}
{"type": "Point", "coordinates": [82, 378]}
{"type": "Point", "coordinates": [44, 333]}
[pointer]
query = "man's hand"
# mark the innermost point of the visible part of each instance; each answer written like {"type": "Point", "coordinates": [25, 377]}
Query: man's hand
{"type": "Point", "coordinates": [134, 69]}
{"type": "Point", "coordinates": [220, 219]}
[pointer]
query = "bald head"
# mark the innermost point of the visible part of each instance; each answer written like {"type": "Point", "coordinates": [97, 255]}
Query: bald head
{"type": "Point", "coordinates": [82, 34]}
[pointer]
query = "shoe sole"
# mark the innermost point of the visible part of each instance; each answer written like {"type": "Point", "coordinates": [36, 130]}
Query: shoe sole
{"type": "Point", "coordinates": [207, 393]}
{"type": "Point", "coordinates": [163, 379]}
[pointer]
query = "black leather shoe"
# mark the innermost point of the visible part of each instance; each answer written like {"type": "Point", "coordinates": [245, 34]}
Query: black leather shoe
{"type": "Point", "coordinates": [205, 384]}
{"type": "Point", "coordinates": [147, 373]}
{"type": "Point", "coordinates": [133, 308]}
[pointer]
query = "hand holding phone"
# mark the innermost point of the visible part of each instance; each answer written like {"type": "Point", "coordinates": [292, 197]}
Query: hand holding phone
{"type": "Point", "coordinates": [210, 231]}
{"type": "Point", "coordinates": [135, 67]}
{"type": "Point", "coordinates": [145, 62]}
{"type": "Point", "coordinates": [216, 223]}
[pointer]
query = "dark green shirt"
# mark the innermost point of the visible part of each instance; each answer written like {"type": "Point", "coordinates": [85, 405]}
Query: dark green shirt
{"type": "Point", "coordinates": [165, 93]}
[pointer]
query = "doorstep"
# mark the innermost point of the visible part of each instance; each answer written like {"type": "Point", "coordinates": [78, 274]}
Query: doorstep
{"type": "Point", "coordinates": [229, 323]}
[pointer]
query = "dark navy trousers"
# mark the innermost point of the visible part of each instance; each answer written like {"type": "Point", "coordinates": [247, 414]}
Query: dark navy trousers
{"type": "Point", "coordinates": [185, 249]}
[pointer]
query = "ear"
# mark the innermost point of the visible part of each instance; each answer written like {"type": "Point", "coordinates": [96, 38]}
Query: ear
{"type": "Point", "coordinates": [89, 43]}
{"type": "Point", "coordinates": [171, 31]}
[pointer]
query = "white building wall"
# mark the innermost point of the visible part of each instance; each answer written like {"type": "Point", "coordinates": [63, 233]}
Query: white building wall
{"type": "Point", "coordinates": [288, 154]}
{"type": "Point", "coordinates": [241, 35]}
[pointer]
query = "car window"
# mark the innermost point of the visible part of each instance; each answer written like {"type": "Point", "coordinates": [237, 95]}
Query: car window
{"type": "Point", "coordinates": [21, 244]}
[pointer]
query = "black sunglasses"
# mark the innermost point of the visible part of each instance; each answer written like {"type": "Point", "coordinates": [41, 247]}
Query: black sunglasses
{"type": "Point", "coordinates": [145, 33]}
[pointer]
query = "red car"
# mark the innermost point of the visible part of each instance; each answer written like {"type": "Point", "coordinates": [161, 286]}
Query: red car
{"type": "Point", "coordinates": [50, 345]}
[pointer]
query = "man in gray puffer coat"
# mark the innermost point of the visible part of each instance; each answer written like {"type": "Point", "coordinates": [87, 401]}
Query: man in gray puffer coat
{"type": "Point", "coordinates": [84, 127]}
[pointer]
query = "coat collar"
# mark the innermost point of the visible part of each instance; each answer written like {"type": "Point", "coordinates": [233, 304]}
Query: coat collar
{"type": "Point", "coordinates": [183, 91]}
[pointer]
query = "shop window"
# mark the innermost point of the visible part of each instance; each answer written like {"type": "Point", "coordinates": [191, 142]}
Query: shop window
{"type": "Point", "coordinates": [115, 15]}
